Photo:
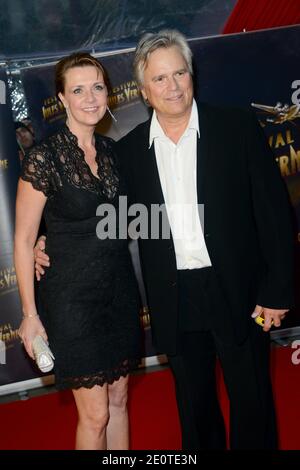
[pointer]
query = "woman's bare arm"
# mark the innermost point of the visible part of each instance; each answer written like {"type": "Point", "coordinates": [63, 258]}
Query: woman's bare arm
{"type": "Point", "coordinates": [29, 207]}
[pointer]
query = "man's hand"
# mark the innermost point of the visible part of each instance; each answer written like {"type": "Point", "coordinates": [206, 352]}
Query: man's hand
{"type": "Point", "coordinates": [40, 257]}
{"type": "Point", "coordinates": [269, 314]}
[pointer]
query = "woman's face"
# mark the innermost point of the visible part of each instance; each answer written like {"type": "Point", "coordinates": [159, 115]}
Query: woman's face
{"type": "Point", "coordinates": [85, 95]}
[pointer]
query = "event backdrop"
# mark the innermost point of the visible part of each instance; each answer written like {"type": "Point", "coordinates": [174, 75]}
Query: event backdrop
{"type": "Point", "coordinates": [14, 365]}
{"type": "Point", "coordinates": [259, 71]}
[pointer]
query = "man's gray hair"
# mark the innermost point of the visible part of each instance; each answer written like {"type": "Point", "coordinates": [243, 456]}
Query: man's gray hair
{"type": "Point", "coordinates": [152, 41]}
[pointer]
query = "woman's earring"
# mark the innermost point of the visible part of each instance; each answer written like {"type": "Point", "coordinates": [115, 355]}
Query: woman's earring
{"type": "Point", "coordinates": [111, 114]}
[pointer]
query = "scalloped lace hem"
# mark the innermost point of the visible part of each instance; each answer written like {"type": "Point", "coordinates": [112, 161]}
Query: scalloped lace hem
{"type": "Point", "coordinates": [99, 378]}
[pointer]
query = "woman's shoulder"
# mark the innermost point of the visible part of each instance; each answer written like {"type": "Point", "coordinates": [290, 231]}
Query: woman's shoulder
{"type": "Point", "coordinates": [42, 153]}
{"type": "Point", "coordinates": [39, 154]}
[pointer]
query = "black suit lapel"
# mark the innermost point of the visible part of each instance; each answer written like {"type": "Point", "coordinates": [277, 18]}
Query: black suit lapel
{"type": "Point", "coordinates": [153, 171]}
{"type": "Point", "coordinates": [202, 154]}
{"type": "Point", "coordinates": [148, 172]}
{"type": "Point", "coordinates": [149, 175]}
{"type": "Point", "coordinates": [150, 180]}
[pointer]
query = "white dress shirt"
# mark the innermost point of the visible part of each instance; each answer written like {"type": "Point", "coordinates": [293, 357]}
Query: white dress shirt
{"type": "Point", "coordinates": [178, 177]}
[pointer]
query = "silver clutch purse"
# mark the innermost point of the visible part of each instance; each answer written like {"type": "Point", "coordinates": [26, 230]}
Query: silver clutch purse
{"type": "Point", "coordinates": [44, 357]}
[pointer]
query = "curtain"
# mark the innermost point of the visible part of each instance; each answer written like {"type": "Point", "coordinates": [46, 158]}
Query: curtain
{"type": "Point", "coordinates": [250, 15]}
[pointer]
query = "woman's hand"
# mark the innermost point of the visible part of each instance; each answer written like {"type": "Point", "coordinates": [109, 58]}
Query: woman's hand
{"type": "Point", "coordinates": [40, 257]}
{"type": "Point", "coordinates": [29, 329]}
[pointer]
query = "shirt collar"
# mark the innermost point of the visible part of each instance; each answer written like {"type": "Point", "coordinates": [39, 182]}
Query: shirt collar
{"type": "Point", "coordinates": [156, 130]}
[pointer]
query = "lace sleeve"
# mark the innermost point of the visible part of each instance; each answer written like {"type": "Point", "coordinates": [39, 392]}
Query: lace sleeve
{"type": "Point", "coordinates": [36, 169]}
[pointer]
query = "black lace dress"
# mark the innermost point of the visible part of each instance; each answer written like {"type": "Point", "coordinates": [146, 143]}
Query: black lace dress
{"type": "Point", "coordinates": [88, 298]}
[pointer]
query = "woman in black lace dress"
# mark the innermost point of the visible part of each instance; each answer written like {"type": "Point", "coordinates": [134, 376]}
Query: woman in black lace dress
{"type": "Point", "coordinates": [88, 301]}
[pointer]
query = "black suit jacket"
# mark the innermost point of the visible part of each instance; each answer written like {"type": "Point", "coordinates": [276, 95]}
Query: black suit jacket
{"type": "Point", "coordinates": [247, 220]}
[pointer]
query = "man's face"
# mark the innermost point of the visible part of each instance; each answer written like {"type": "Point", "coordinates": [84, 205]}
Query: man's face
{"type": "Point", "coordinates": [168, 85]}
{"type": "Point", "coordinates": [24, 137]}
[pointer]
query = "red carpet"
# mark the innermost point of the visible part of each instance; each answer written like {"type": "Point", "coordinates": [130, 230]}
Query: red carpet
{"type": "Point", "coordinates": [48, 421]}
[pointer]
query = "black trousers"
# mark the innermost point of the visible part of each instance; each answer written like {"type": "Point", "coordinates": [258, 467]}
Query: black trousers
{"type": "Point", "coordinates": [245, 368]}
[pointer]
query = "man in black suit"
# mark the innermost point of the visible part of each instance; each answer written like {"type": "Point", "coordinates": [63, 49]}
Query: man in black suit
{"type": "Point", "coordinates": [205, 288]}
{"type": "Point", "coordinates": [206, 284]}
